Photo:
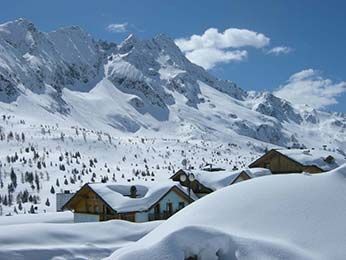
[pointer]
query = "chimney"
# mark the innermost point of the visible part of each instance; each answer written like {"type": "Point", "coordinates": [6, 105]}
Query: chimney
{"type": "Point", "coordinates": [133, 192]}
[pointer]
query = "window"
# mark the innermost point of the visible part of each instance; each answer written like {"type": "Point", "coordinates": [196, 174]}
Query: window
{"type": "Point", "coordinates": [157, 209]}
{"type": "Point", "coordinates": [181, 204]}
{"type": "Point", "coordinates": [108, 211]}
{"type": "Point", "coordinates": [170, 207]}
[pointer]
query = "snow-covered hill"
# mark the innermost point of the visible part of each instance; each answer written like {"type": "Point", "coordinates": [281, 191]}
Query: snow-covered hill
{"type": "Point", "coordinates": [75, 110]}
{"type": "Point", "coordinates": [272, 217]}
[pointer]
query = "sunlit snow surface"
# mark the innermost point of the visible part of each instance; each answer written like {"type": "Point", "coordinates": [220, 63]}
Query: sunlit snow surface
{"type": "Point", "coordinates": [53, 236]}
{"type": "Point", "coordinates": [135, 112]}
{"type": "Point", "coordinates": [293, 216]}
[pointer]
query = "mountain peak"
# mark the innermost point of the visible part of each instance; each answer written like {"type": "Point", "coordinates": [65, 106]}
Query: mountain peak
{"type": "Point", "coordinates": [73, 29]}
{"type": "Point", "coordinates": [20, 23]}
{"type": "Point", "coordinates": [166, 42]}
{"type": "Point", "coordinates": [164, 38]}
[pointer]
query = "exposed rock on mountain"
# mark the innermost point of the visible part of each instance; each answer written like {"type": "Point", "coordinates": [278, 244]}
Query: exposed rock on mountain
{"type": "Point", "coordinates": [143, 86]}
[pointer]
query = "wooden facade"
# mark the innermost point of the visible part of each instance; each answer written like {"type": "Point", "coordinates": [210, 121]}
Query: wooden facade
{"type": "Point", "coordinates": [280, 163]}
{"type": "Point", "coordinates": [88, 203]}
{"type": "Point", "coordinates": [243, 176]}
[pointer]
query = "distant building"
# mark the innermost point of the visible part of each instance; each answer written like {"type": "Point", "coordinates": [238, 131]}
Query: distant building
{"type": "Point", "coordinates": [209, 167]}
{"type": "Point", "coordinates": [62, 198]}
{"type": "Point", "coordinates": [206, 182]}
{"type": "Point", "coordinates": [298, 160]}
{"type": "Point", "coordinates": [136, 203]}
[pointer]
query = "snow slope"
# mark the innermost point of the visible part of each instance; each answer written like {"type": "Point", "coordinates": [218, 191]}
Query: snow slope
{"type": "Point", "coordinates": [37, 241]}
{"type": "Point", "coordinates": [295, 216]}
{"type": "Point", "coordinates": [92, 111]}
{"type": "Point", "coordinates": [143, 87]}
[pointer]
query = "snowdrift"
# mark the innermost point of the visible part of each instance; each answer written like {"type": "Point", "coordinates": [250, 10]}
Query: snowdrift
{"type": "Point", "coordinates": [56, 217]}
{"type": "Point", "coordinates": [295, 216]}
{"type": "Point", "coordinates": [68, 241]}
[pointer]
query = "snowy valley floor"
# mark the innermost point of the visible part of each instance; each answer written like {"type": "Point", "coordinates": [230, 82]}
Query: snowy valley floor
{"type": "Point", "coordinates": [52, 236]}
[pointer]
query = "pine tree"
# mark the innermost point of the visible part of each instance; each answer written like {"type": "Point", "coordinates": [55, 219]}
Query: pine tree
{"type": "Point", "coordinates": [20, 206]}
{"type": "Point", "coordinates": [47, 202]}
{"type": "Point", "coordinates": [13, 178]}
{"type": "Point", "coordinates": [37, 182]}
{"type": "Point", "coordinates": [52, 190]}
{"type": "Point", "coordinates": [32, 210]}
{"type": "Point", "coordinates": [25, 196]}
{"type": "Point", "coordinates": [4, 201]}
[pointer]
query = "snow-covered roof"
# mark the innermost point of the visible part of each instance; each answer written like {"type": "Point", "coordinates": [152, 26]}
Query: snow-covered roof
{"type": "Point", "coordinates": [257, 172]}
{"type": "Point", "coordinates": [314, 157]}
{"type": "Point", "coordinates": [220, 179]}
{"type": "Point", "coordinates": [117, 195]}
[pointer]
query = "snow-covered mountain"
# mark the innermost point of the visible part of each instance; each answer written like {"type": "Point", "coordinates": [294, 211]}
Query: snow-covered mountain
{"type": "Point", "coordinates": [75, 110]}
{"type": "Point", "coordinates": [143, 87]}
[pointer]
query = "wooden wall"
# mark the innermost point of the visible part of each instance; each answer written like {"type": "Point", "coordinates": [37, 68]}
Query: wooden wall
{"type": "Point", "coordinates": [279, 163]}
{"type": "Point", "coordinates": [87, 201]}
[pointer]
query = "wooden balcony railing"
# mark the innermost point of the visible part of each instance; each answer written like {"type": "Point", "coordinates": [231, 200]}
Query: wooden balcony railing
{"type": "Point", "coordinates": [161, 216]}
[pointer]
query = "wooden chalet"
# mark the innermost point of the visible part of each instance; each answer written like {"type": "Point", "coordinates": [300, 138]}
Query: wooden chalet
{"type": "Point", "coordinates": [297, 161]}
{"type": "Point", "coordinates": [206, 182]}
{"type": "Point", "coordinates": [136, 203]}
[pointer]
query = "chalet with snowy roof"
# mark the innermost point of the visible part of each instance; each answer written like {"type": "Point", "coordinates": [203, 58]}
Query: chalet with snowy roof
{"type": "Point", "coordinates": [205, 182]}
{"type": "Point", "coordinates": [136, 203]}
{"type": "Point", "coordinates": [298, 160]}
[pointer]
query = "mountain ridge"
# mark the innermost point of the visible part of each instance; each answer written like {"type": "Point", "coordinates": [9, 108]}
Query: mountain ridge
{"type": "Point", "coordinates": [144, 87]}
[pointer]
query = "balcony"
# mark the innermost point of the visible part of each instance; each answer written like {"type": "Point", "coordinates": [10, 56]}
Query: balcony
{"type": "Point", "coordinates": [161, 216]}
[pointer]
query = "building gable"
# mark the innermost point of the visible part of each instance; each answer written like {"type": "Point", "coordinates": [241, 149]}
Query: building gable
{"type": "Point", "coordinates": [277, 163]}
{"type": "Point", "coordinates": [88, 201]}
{"type": "Point", "coordinates": [281, 163]}
{"type": "Point", "coordinates": [243, 176]}
{"type": "Point", "coordinates": [196, 186]}
{"type": "Point", "coordinates": [184, 197]}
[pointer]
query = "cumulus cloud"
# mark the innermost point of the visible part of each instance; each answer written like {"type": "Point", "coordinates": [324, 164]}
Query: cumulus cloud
{"type": "Point", "coordinates": [117, 27]}
{"type": "Point", "coordinates": [213, 47]}
{"type": "Point", "coordinates": [280, 50]}
{"type": "Point", "coordinates": [230, 38]}
{"type": "Point", "coordinates": [309, 87]}
{"type": "Point", "coordinates": [209, 57]}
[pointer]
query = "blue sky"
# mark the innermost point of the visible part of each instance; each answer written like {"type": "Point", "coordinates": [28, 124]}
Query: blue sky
{"type": "Point", "coordinates": [312, 31]}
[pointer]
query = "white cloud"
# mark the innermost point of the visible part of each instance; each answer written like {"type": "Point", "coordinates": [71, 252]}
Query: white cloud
{"type": "Point", "coordinates": [117, 27]}
{"type": "Point", "coordinates": [230, 38]}
{"type": "Point", "coordinates": [280, 50]}
{"type": "Point", "coordinates": [210, 57]}
{"type": "Point", "coordinates": [309, 87]}
{"type": "Point", "coordinates": [214, 47]}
